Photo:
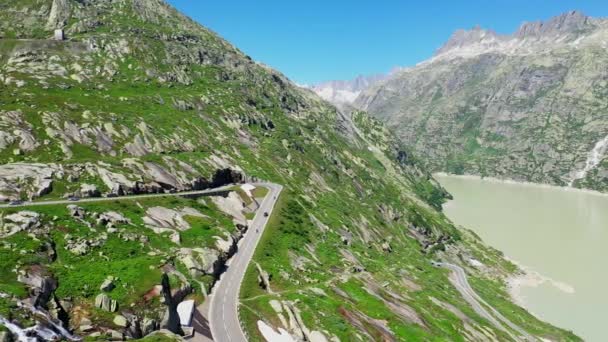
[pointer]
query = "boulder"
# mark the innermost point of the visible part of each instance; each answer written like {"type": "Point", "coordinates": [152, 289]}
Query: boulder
{"type": "Point", "coordinates": [76, 211]}
{"type": "Point", "coordinates": [113, 218]}
{"type": "Point", "coordinates": [78, 248]}
{"type": "Point", "coordinates": [263, 278]}
{"type": "Point", "coordinates": [108, 284]}
{"type": "Point", "coordinates": [115, 335]}
{"type": "Point", "coordinates": [120, 321]}
{"type": "Point", "coordinates": [103, 302]}
{"type": "Point", "coordinates": [346, 237]}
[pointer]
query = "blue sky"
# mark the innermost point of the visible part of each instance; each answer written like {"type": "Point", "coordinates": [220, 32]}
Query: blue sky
{"type": "Point", "coordinates": [317, 40]}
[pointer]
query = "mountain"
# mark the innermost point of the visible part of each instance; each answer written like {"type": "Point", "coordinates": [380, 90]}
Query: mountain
{"type": "Point", "coordinates": [530, 106]}
{"type": "Point", "coordinates": [140, 100]}
{"type": "Point", "coordinates": [343, 92]}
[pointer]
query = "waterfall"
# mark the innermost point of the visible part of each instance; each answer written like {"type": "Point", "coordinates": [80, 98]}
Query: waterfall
{"type": "Point", "coordinates": [46, 328]}
{"type": "Point", "coordinates": [48, 320]}
{"type": "Point", "coordinates": [21, 334]}
{"type": "Point", "coordinates": [594, 157]}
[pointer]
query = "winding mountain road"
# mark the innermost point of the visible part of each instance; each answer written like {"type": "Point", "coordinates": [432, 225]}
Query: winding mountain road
{"type": "Point", "coordinates": [224, 323]}
{"type": "Point", "coordinates": [120, 198]}
{"type": "Point", "coordinates": [223, 314]}
{"type": "Point", "coordinates": [460, 281]}
{"type": "Point", "coordinates": [224, 320]}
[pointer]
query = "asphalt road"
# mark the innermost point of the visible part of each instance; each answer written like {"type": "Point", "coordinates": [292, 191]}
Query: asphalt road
{"type": "Point", "coordinates": [108, 199]}
{"type": "Point", "coordinates": [460, 281]}
{"type": "Point", "coordinates": [223, 312]}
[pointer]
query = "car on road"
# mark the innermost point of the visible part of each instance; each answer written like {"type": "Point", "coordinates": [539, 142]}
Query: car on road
{"type": "Point", "coordinates": [17, 202]}
{"type": "Point", "coordinates": [74, 199]}
{"type": "Point", "coordinates": [266, 214]}
{"type": "Point", "coordinates": [112, 195]}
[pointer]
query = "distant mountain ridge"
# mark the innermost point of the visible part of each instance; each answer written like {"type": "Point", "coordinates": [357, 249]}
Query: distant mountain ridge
{"type": "Point", "coordinates": [528, 106]}
{"type": "Point", "coordinates": [346, 91]}
{"type": "Point", "coordinates": [531, 37]}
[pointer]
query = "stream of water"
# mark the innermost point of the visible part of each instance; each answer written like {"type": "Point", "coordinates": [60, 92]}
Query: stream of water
{"type": "Point", "coordinates": [593, 159]}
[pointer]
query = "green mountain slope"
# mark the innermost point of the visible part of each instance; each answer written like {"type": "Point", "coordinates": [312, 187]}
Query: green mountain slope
{"type": "Point", "coordinates": [139, 99]}
{"type": "Point", "coordinates": [529, 106]}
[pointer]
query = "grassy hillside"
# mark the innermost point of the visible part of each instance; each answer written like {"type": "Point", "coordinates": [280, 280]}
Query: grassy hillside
{"type": "Point", "coordinates": [140, 99]}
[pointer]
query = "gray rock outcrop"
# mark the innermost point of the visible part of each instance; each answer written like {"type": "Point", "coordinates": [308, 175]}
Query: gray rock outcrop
{"type": "Point", "coordinates": [103, 302]}
{"type": "Point", "coordinates": [33, 179]}
{"type": "Point", "coordinates": [17, 222]}
{"type": "Point", "coordinates": [60, 13]}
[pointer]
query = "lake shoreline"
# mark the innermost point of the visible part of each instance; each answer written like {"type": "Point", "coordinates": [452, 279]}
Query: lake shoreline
{"type": "Point", "coordinates": [525, 277]}
{"type": "Point", "coordinates": [555, 236]}
{"type": "Point", "coordinates": [522, 183]}
{"type": "Point", "coordinates": [530, 278]}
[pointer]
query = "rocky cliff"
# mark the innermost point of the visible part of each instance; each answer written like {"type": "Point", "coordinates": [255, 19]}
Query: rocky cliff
{"type": "Point", "coordinates": [529, 106]}
{"type": "Point", "coordinates": [140, 99]}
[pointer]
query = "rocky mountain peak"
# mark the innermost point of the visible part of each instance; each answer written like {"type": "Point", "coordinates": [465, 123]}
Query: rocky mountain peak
{"type": "Point", "coordinates": [568, 27]}
{"type": "Point", "coordinates": [572, 22]}
{"type": "Point", "coordinates": [462, 38]}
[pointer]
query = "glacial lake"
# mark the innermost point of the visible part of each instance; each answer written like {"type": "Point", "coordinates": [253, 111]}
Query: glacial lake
{"type": "Point", "coordinates": [559, 234]}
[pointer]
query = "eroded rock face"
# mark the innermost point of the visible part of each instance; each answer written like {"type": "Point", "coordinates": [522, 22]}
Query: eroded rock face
{"type": "Point", "coordinates": [116, 182]}
{"type": "Point", "coordinates": [33, 179]}
{"type": "Point", "coordinates": [291, 319]}
{"type": "Point", "coordinates": [89, 190]}
{"type": "Point", "coordinates": [15, 130]}
{"type": "Point", "coordinates": [42, 286]}
{"type": "Point", "coordinates": [159, 217]}
{"type": "Point", "coordinates": [201, 261]}
{"type": "Point", "coordinates": [232, 205]}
